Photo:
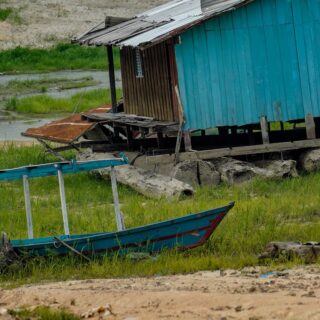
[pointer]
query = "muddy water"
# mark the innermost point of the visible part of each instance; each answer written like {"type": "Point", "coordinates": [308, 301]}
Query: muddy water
{"type": "Point", "coordinates": [12, 124]}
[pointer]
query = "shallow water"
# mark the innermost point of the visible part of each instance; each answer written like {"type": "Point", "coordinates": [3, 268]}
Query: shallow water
{"type": "Point", "coordinates": [11, 130]}
{"type": "Point", "coordinates": [12, 124]}
{"type": "Point", "coordinates": [102, 77]}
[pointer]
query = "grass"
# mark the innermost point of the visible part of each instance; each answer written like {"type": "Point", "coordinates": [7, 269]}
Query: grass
{"type": "Point", "coordinates": [10, 14]}
{"type": "Point", "coordinates": [42, 313]}
{"type": "Point", "coordinates": [44, 104]}
{"type": "Point", "coordinates": [280, 210]}
{"type": "Point", "coordinates": [18, 87]}
{"type": "Point", "coordinates": [63, 56]}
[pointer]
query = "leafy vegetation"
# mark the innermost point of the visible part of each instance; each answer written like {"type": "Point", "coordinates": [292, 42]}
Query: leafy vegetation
{"type": "Point", "coordinates": [61, 57]}
{"type": "Point", "coordinates": [44, 104]}
{"type": "Point", "coordinates": [42, 313]}
{"type": "Point", "coordinates": [280, 210]}
{"type": "Point", "coordinates": [16, 87]}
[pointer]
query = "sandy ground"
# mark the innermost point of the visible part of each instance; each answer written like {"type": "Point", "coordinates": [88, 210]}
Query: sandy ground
{"type": "Point", "coordinates": [44, 22]}
{"type": "Point", "coordinates": [293, 294]}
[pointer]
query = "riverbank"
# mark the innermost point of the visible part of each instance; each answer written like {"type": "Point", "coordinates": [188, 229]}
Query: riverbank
{"type": "Point", "coordinates": [277, 210]}
{"type": "Point", "coordinates": [231, 294]}
{"type": "Point", "coordinates": [41, 24]}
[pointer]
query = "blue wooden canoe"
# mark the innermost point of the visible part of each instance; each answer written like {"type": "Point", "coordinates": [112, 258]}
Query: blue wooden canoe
{"type": "Point", "coordinates": [182, 233]}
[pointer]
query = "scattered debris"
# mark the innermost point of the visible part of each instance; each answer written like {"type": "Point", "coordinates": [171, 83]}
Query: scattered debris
{"type": "Point", "coordinates": [102, 312]}
{"type": "Point", "coordinates": [308, 251]}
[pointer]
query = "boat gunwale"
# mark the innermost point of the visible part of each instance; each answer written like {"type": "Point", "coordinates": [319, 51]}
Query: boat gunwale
{"type": "Point", "coordinates": [100, 235]}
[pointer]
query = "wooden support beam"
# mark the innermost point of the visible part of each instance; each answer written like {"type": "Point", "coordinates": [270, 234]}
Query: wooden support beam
{"type": "Point", "coordinates": [63, 204]}
{"type": "Point", "coordinates": [27, 201]}
{"type": "Point", "coordinates": [236, 151]}
{"type": "Point", "coordinates": [264, 130]}
{"type": "Point", "coordinates": [187, 141]}
{"type": "Point", "coordinates": [112, 79]}
{"type": "Point", "coordinates": [119, 218]}
{"type": "Point", "coordinates": [310, 127]}
{"type": "Point", "coordinates": [160, 140]}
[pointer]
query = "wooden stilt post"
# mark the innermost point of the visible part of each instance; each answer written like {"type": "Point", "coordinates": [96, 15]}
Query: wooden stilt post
{"type": "Point", "coordinates": [119, 220]}
{"type": "Point", "coordinates": [187, 141]}
{"type": "Point", "coordinates": [63, 204]}
{"type": "Point", "coordinates": [27, 201]}
{"type": "Point", "coordinates": [264, 130]}
{"type": "Point", "coordinates": [112, 79]}
{"type": "Point", "coordinates": [310, 127]}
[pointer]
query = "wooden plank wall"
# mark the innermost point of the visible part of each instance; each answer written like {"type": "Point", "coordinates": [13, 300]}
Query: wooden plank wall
{"type": "Point", "coordinates": [150, 96]}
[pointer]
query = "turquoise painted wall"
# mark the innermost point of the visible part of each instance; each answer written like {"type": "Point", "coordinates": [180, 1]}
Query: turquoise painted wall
{"type": "Point", "coordinates": [262, 59]}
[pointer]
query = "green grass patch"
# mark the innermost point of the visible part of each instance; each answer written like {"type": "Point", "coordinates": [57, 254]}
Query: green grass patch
{"type": "Point", "coordinates": [61, 57]}
{"type": "Point", "coordinates": [42, 313]}
{"type": "Point", "coordinates": [18, 87]}
{"type": "Point", "coordinates": [280, 210]}
{"type": "Point", "coordinates": [44, 104]}
{"type": "Point", "coordinates": [11, 15]}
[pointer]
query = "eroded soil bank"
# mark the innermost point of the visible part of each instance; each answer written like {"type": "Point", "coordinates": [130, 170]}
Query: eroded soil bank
{"type": "Point", "coordinates": [249, 294]}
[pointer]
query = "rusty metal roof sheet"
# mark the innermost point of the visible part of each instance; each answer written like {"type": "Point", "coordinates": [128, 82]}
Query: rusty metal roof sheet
{"type": "Point", "coordinates": [159, 24]}
{"type": "Point", "coordinates": [66, 130]}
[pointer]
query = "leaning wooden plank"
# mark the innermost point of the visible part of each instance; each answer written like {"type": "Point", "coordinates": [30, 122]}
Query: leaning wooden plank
{"type": "Point", "coordinates": [144, 181]}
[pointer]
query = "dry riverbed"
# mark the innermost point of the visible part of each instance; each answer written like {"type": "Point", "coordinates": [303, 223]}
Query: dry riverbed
{"type": "Point", "coordinates": [44, 23]}
{"type": "Point", "coordinates": [292, 294]}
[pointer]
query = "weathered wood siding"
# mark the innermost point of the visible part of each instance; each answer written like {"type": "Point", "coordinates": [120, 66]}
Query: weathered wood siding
{"type": "Point", "coordinates": [259, 60]}
{"type": "Point", "coordinates": [150, 96]}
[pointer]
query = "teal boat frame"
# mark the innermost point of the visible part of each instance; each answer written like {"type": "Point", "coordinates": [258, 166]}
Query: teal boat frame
{"type": "Point", "coordinates": [182, 233]}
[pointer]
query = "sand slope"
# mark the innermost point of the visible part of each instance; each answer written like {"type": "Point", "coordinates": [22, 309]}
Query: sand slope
{"type": "Point", "coordinates": [293, 294]}
{"type": "Point", "coordinates": [47, 21]}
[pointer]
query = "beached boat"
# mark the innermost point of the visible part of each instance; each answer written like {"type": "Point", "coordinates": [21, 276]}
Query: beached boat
{"type": "Point", "coordinates": [181, 233]}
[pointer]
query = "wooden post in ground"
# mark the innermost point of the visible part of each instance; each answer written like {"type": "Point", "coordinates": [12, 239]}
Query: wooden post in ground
{"type": "Point", "coordinates": [119, 219]}
{"type": "Point", "coordinates": [264, 130]}
{"type": "Point", "coordinates": [27, 201]}
{"type": "Point", "coordinates": [187, 141]}
{"type": "Point", "coordinates": [63, 204]}
{"type": "Point", "coordinates": [112, 79]}
{"type": "Point", "coordinates": [310, 127]}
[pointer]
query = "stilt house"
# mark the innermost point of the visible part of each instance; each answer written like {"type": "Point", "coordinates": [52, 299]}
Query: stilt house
{"type": "Point", "coordinates": [235, 65]}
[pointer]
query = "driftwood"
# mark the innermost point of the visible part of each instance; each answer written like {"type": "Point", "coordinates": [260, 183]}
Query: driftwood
{"type": "Point", "coordinates": [310, 160]}
{"type": "Point", "coordinates": [144, 181]}
{"type": "Point", "coordinates": [309, 251]}
{"type": "Point", "coordinates": [8, 257]}
{"type": "Point", "coordinates": [235, 171]}
{"type": "Point", "coordinates": [196, 172]}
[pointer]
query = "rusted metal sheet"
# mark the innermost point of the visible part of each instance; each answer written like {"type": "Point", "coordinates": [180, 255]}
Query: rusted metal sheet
{"type": "Point", "coordinates": [160, 23]}
{"type": "Point", "coordinates": [150, 95]}
{"type": "Point", "coordinates": [66, 130]}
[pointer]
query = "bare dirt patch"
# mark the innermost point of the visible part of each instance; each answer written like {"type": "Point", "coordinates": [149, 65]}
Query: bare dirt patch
{"type": "Point", "coordinates": [230, 294]}
{"type": "Point", "coordinates": [46, 22]}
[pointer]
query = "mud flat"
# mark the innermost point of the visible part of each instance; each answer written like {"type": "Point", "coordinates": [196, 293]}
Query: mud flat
{"type": "Point", "coordinates": [247, 294]}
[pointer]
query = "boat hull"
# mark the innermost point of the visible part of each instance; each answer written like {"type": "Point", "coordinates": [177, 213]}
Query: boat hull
{"type": "Point", "coordinates": [182, 233]}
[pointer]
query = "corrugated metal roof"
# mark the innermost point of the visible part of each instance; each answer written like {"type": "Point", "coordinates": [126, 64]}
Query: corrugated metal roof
{"type": "Point", "coordinates": [159, 24]}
